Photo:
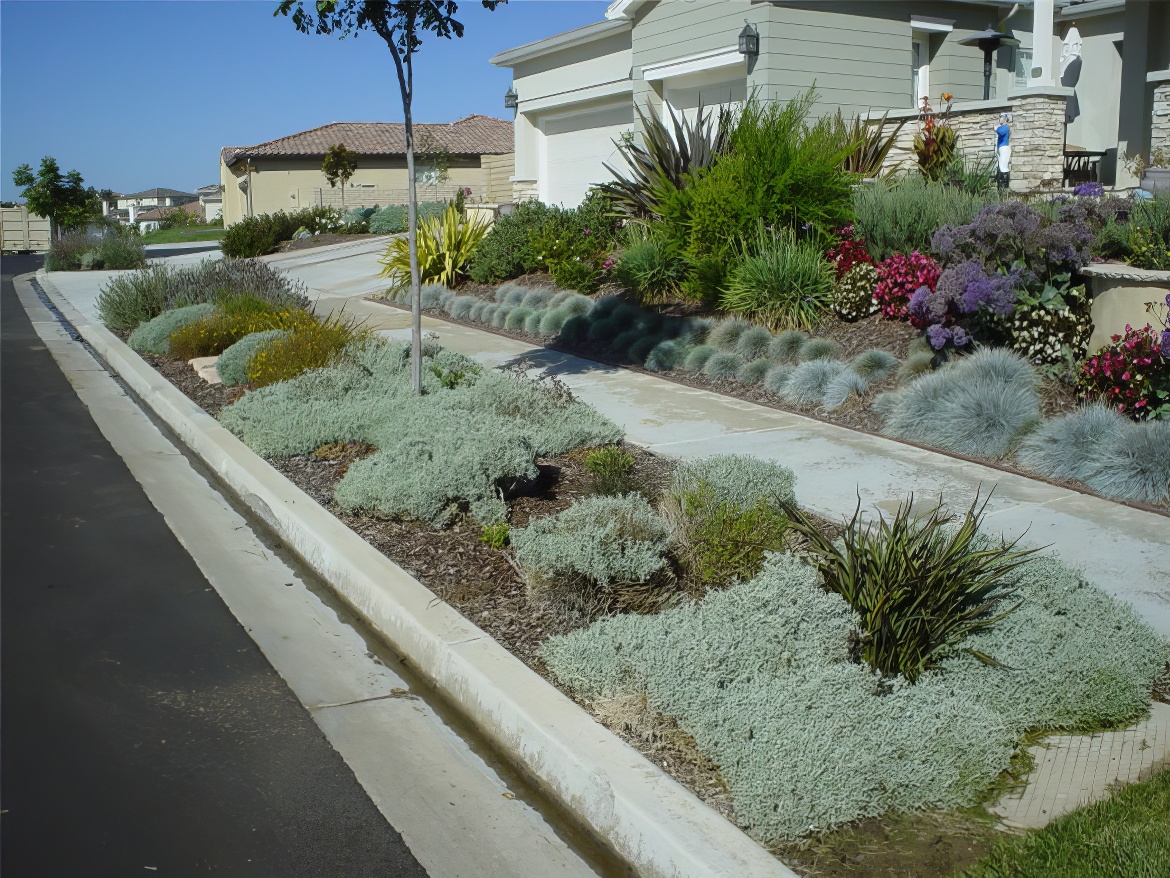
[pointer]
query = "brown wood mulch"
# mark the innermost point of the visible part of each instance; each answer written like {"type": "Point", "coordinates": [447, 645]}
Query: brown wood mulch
{"type": "Point", "coordinates": [321, 240]}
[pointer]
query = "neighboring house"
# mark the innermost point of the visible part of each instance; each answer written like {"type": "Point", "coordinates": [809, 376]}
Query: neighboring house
{"type": "Point", "coordinates": [474, 153]}
{"type": "Point", "coordinates": [210, 201]}
{"type": "Point", "coordinates": [155, 198]}
{"type": "Point", "coordinates": [151, 218]}
{"type": "Point", "coordinates": [576, 91]}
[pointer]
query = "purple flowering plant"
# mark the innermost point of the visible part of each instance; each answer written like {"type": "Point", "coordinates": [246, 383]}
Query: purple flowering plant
{"type": "Point", "coordinates": [1089, 190]}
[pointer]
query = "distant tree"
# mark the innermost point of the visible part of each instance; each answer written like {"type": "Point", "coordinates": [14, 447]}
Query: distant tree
{"type": "Point", "coordinates": [340, 164]}
{"type": "Point", "coordinates": [62, 198]}
{"type": "Point", "coordinates": [108, 196]}
{"type": "Point", "coordinates": [401, 25]}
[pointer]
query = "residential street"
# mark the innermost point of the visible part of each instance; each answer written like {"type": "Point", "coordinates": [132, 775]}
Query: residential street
{"type": "Point", "coordinates": [144, 732]}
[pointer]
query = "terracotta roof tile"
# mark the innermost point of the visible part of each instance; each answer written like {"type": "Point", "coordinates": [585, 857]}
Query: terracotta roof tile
{"type": "Point", "coordinates": [473, 135]}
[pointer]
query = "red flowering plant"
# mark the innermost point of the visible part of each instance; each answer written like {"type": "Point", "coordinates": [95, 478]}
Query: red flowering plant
{"type": "Point", "coordinates": [899, 278]}
{"type": "Point", "coordinates": [1133, 372]}
{"type": "Point", "coordinates": [848, 252]}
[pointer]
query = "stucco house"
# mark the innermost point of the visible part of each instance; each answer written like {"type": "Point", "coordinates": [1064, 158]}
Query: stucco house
{"type": "Point", "coordinates": [210, 201]}
{"type": "Point", "coordinates": [574, 93]}
{"type": "Point", "coordinates": [474, 153]}
{"type": "Point", "coordinates": [158, 197]}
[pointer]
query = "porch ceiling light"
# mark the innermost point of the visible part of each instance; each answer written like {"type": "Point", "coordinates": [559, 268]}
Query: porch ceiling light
{"type": "Point", "coordinates": [749, 40]}
{"type": "Point", "coordinates": [511, 100]}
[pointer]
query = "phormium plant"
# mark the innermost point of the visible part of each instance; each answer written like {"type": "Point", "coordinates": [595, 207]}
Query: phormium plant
{"type": "Point", "coordinates": [921, 585]}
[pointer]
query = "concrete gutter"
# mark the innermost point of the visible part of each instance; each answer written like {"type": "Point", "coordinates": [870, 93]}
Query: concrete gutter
{"type": "Point", "coordinates": [631, 806]}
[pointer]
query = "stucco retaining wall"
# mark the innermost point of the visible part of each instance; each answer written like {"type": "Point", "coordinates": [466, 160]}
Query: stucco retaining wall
{"type": "Point", "coordinates": [1120, 295]}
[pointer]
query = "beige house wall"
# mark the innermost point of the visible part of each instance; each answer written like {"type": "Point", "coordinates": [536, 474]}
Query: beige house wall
{"type": "Point", "coordinates": [294, 184]}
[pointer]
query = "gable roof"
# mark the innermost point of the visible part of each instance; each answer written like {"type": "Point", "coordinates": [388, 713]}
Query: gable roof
{"type": "Point", "coordinates": [473, 135]}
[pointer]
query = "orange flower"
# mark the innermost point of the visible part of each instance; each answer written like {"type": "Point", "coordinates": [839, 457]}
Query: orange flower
{"type": "Point", "coordinates": [947, 96]}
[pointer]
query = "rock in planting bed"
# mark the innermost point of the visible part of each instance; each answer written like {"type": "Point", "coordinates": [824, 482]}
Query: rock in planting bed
{"type": "Point", "coordinates": [684, 611]}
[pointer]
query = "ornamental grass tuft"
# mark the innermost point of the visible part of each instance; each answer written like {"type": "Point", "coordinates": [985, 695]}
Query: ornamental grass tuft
{"type": "Point", "coordinates": [697, 358]}
{"type": "Point", "coordinates": [722, 366]}
{"type": "Point", "coordinates": [753, 372]}
{"type": "Point", "coordinates": [819, 349]}
{"type": "Point", "coordinates": [725, 335]}
{"type": "Point", "coordinates": [753, 343]}
{"type": "Point", "coordinates": [665, 355]}
{"type": "Point", "coordinates": [842, 388]}
{"type": "Point", "coordinates": [807, 384]}
{"type": "Point", "coordinates": [776, 378]}
{"type": "Point", "coordinates": [785, 347]}
{"type": "Point", "coordinates": [874, 364]}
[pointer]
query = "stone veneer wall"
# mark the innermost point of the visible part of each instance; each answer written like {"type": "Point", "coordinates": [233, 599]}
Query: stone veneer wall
{"type": "Point", "coordinates": [1037, 137]}
{"type": "Point", "coordinates": [1160, 118]}
{"type": "Point", "coordinates": [524, 190]}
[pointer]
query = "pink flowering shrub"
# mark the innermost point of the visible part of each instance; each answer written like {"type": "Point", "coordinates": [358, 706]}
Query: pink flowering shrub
{"type": "Point", "coordinates": [899, 277]}
{"type": "Point", "coordinates": [1132, 374]}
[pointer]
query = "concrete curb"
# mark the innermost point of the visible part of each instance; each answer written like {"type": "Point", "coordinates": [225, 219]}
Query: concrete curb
{"type": "Point", "coordinates": [634, 808]}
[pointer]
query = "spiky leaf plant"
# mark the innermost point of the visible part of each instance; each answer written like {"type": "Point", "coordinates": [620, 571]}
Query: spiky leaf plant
{"type": "Point", "coordinates": [921, 586]}
{"type": "Point", "coordinates": [870, 143]}
{"type": "Point", "coordinates": [780, 281]}
{"type": "Point", "coordinates": [667, 158]}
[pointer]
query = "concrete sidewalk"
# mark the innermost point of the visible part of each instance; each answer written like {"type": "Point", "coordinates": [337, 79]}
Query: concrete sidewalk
{"type": "Point", "coordinates": [1124, 550]}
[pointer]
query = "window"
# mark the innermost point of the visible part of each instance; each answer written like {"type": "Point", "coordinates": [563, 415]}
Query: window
{"type": "Point", "coordinates": [920, 70]}
{"type": "Point", "coordinates": [1023, 67]}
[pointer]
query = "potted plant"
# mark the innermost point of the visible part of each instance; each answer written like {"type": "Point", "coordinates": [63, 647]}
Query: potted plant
{"type": "Point", "coordinates": [1153, 172]}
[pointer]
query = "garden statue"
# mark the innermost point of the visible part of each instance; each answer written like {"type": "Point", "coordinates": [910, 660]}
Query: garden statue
{"type": "Point", "coordinates": [1003, 150]}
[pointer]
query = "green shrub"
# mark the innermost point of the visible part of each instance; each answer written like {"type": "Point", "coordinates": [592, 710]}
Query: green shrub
{"type": "Point", "coordinates": [232, 365]}
{"type": "Point", "coordinates": [781, 282]}
{"type": "Point", "coordinates": [71, 252]}
{"type": "Point", "coordinates": [495, 535]}
{"type": "Point", "coordinates": [921, 586]}
{"type": "Point", "coordinates": [154, 336]}
{"type": "Point", "coordinates": [135, 297]}
{"type": "Point", "coordinates": [725, 513]}
{"type": "Point", "coordinates": [263, 233]}
{"type": "Point", "coordinates": [572, 244]}
{"type": "Point", "coordinates": [651, 267]}
{"type": "Point", "coordinates": [446, 450]}
{"type": "Point", "coordinates": [310, 346]}
{"type": "Point", "coordinates": [236, 317]}
{"type": "Point", "coordinates": [611, 470]}
{"type": "Point", "coordinates": [782, 170]}
{"type": "Point", "coordinates": [595, 554]}
{"type": "Point", "coordinates": [508, 250]}
{"type": "Point", "coordinates": [902, 215]}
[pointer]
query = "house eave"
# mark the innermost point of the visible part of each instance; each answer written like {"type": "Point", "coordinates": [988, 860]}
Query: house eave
{"type": "Point", "coordinates": [558, 42]}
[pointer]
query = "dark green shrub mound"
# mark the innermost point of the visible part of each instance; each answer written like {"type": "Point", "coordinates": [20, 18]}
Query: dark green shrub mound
{"type": "Point", "coordinates": [612, 470]}
{"type": "Point", "coordinates": [260, 234]}
{"type": "Point", "coordinates": [508, 250]}
{"type": "Point", "coordinates": [921, 585]}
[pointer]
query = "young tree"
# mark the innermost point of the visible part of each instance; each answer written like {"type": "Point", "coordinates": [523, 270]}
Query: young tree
{"type": "Point", "coordinates": [401, 25]}
{"type": "Point", "coordinates": [62, 198]}
{"type": "Point", "coordinates": [340, 164]}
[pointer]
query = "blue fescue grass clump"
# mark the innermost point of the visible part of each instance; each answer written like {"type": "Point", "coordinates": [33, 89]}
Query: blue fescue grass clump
{"type": "Point", "coordinates": [722, 366]}
{"type": "Point", "coordinates": [785, 347]}
{"type": "Point", "coordinates": [915, 365]}
{"type": "Point", "coordinates": [606, 329]}
{"type": "Point", "coordinates": [753, 343]}
{"type": "Point", "coordinates": [475, 312]}
{"type": "Point", "coordinates": [806, 385]}
{"type": "Point", "coordinates": [516, 318]}
{"type": "Point", "coordinates": [511, 294]}
{"type": "Point", "coordinates": [665, 356]}
{"type": "Point", "coordinates": [622, 342]}
{"type": "Point", "coordinates": [232, 365]}
{"type": "Point", "coordinates": [434, 296]}
{"type": "Point", "coordinates": [776, 378]}
{"type": "Point", "coordinates": [553, 319]}
{"type": "Point", "coordinates": [761, 675]}
{"type": "Point", "coordinates": [459, 443]}
{"type": "Point", "coordinates": [605, 307]}
{"type": "Point", "coordinates": [753, 372]}
{"type": "Point", "coordinates": [979, 405]}
{"type": "Point", "coordinates": [154, 336]}
{"type": "Point", "coordinates": [725, 335]}
{"type": "Point", "coordinates": [500, 316]}
{"type": "Point", "coordinates": [575, 330]}
{"type": "Point", "coordinates": [537, 299]}
{"type": "Point", "coordinates": [641, 349]}
{"type": "Point", "coordinates": [1072, 446]}
{"type": "Point", "coordinates": [874, 364]}
{"type": "Point", "coordinates": [576, 304]}
{"type": "Point", "coordinates": [698, 328]}
{"type": "Point", "coordinates": [819, 349]}
{"type": "Point", "coordinates": [532, 322]}
{"type": "Point", "coordinates": [697, 358]}
{"type": "Point", "coordinates": [1138, 467]}
{"type": "Point", "coordinates": [460, 307]}
{"type": "Point", "coordinates": [841, 388]}
{"type": "Point", "coordinates": [488, 314]}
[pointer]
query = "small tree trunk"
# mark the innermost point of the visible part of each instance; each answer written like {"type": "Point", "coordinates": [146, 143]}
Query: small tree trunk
{"type": "Point", "coordinates": [412, 239]}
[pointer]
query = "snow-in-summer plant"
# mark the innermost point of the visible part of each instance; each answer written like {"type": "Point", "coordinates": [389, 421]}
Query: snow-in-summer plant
{"type": "Point", "coordinates": [473, 434]}
{"type": "Point", "coordinates": [762, 677]}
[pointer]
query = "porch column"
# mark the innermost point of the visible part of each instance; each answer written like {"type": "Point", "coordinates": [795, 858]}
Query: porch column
{"type": "Point", "coordinates": [1042, 34]}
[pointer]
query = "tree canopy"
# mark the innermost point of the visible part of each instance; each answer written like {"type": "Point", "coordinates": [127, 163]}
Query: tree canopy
{"type": "Point", "coordinates": [63, 198]}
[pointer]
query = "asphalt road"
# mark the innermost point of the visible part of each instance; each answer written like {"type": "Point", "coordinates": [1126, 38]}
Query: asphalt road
{"type": "Point", "coordinates": [142, 730]}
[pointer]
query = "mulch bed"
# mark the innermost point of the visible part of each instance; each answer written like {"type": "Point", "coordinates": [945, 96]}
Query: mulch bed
{"type": "Point", "coordinates": [209, 397]}
{"type": "Point", "coordinates": [321, 241]}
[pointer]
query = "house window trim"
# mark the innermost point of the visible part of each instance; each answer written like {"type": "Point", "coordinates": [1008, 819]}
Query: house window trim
{"type": "Point", "coordinates": [923, 70]}
{"type": "Point", "coordinates": [1019, 54]}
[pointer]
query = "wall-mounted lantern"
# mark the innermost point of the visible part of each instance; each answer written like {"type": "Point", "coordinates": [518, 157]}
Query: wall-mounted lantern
{"type": "Point", "coordinates": [511, 101]}
{"type": "Point", "coordinates": [749, 41]}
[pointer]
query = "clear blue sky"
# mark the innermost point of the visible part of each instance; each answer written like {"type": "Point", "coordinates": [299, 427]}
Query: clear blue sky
{"type": "Point", "coordinates": [142, 94]}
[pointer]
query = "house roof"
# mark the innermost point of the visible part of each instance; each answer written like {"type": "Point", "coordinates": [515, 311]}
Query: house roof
{"type": "Point", "coordinates": [558, 42]}
{"type": "Point", "coordinates": [158, 193]}
{"type": "Point", "coordinates": [473, 135]}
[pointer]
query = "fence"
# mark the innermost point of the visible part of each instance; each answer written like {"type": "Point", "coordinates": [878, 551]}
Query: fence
{"type": "Point", "coordinates": [22, 231]}
{"type": "Point", "coordinates": [362, 197]}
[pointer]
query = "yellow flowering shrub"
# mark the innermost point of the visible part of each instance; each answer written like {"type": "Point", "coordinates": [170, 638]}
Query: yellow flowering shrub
{"type": "Point", "coordinates": [231, 321]}
{"type": "Point", "coordinates": [311, 346]}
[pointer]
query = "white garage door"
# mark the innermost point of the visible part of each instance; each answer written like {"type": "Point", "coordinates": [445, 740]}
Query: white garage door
{"type": "Point", "coordinates": [575, 149]}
